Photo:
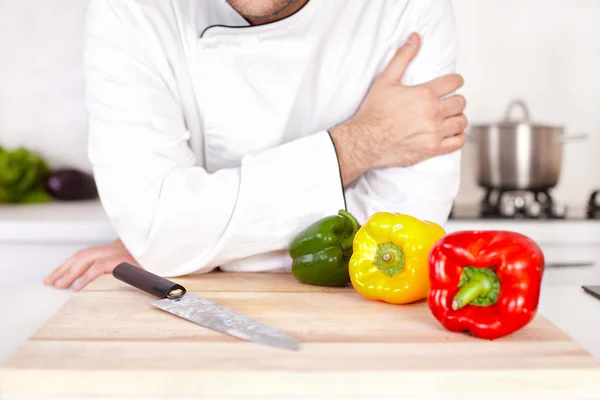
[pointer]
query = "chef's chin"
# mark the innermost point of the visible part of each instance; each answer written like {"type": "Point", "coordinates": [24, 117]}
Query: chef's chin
{"type": "Point", "coordinates": [263, 9]}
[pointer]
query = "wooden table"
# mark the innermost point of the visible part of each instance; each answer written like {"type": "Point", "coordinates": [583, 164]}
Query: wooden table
{"type": "Point", "coordinates": [109, 341]}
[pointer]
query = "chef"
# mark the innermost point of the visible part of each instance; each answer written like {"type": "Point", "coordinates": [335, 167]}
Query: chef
{"type": "Point", "coordinates": [219, 129]}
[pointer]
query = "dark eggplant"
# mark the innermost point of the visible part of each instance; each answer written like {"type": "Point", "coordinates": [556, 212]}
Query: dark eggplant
{"type": "Point", "coordinates": [70, 184]}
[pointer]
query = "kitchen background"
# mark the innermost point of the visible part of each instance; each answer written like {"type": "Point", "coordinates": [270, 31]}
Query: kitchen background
{"type": "Point", "coordinates": [546, 52]}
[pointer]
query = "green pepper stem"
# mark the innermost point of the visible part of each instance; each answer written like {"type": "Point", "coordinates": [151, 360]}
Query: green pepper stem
{"type": "Point", "coordinates": [348, 241]}
{"type": "Point", "coordinates": [470, 292]}
{"type": "Point", "coordinates": [478, 287]}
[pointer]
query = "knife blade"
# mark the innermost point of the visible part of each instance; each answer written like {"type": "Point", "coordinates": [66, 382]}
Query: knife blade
{"type": "Point", "coordinates": [175, 300]}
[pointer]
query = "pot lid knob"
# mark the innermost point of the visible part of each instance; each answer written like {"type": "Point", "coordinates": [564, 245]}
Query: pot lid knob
{"type": "Point", "coordinates": [517, 104]}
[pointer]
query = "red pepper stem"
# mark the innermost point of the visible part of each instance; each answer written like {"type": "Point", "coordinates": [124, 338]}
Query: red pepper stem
{"type": "Point", "coordinates": [479, 287]}
{"type": "Point", "coordinates": [348, 241]}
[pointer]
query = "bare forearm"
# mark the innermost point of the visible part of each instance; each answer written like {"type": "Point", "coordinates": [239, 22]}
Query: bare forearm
{"type": "Point", "coordinates": [353, 153]}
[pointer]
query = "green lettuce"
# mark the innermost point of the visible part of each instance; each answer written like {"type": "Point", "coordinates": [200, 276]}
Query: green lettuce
{"type": "Point", "coordinates": [22, 177]}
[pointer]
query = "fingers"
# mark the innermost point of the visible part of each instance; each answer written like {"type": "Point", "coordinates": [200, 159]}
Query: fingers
{"type": "Point", "coordinates": [453, 106]}
{"type": "Point", "coordinates": [74, 266]}
{"type": "Point", "coordinates": [445, 85]}
{"type": "Point", "coordinates": [403, 57]}
{"type": "Point", "coordinates": [88, 264]}
{"type": "Point", "coordinates": [58, 272]}
{"type": "Point", "coordinates": [78, 268]}
{"type": "Point", "coordinates": [96, 269]}
{"type": "Point", "coordinates": [454, 125]}
{"type": "Point", "coordinates": [453, 143]}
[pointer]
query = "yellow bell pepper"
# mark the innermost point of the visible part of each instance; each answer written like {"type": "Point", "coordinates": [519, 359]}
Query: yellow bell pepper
{"type": "Point", "coordinates": [390, 260]}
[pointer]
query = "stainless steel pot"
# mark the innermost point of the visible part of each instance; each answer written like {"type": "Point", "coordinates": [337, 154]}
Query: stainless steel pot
{"type": "Point", "coordinates": [519, 154]}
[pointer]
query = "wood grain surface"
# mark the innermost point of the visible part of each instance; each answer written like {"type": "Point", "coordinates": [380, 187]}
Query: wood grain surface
{"type": "Point", "coordinates": [225, 282]}
{"type": "Point", "coordinates": [110, 341]}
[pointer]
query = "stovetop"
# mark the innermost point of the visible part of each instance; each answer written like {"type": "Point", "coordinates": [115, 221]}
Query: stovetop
{"type": "Point", "coordinates": [526, 206]}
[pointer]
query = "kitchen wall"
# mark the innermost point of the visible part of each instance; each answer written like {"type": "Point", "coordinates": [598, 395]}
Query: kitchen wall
{"type": "Point", "coordinates": [546, 52]}
{"type": "Point", "coordinates": [40, 78]}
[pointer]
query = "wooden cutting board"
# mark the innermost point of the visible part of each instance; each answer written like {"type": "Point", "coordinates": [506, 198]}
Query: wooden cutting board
{"type": "Point", "coordinates": [108, 340]}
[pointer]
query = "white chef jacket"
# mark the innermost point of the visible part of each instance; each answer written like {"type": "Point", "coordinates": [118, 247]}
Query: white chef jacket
{"type": "Point", "coordinates": [209, 137]}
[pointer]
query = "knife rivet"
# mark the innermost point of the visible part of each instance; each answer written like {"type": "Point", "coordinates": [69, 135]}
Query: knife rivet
{"type": "Point", "coordinates": [175, 293]}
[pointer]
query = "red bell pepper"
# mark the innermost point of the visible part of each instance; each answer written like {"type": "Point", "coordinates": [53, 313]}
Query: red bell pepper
{"type": "Point", "coordinates": [486, 283]}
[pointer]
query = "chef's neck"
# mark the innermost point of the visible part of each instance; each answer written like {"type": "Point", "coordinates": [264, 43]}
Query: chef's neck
{"type": "Point", "coordinates": [260, 12]}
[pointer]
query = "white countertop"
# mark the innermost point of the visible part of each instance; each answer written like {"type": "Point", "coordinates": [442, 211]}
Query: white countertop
{"type": "Point", "coordinates": [55, 222]}
{"type": "Point", "coordinates": [85, 222]}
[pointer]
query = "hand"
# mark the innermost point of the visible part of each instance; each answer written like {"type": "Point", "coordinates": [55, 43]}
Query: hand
{"type": "Point", "coordinates": [399, 126]}
{"type": "Point", "coordinates": [88, 264]}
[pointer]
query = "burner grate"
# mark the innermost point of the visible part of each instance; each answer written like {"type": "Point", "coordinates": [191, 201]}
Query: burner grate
{"type": "Point", "coordinates": [520, 205]}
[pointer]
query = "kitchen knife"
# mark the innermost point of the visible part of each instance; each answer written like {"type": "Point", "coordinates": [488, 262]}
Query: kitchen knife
{"type": "Point", "coordinates": [176, 300]}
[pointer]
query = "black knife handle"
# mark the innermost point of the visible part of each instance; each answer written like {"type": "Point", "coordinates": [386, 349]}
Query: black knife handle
{"type": "Point", "coordinates": [148, 282]}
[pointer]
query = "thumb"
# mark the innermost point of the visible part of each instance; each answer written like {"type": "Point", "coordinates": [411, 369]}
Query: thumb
{"type": "Point", "coordinates": [403, 57]}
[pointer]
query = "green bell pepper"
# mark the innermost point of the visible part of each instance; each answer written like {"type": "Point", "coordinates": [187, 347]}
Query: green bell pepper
{"type": "Point", "coordinates": [322, 251]}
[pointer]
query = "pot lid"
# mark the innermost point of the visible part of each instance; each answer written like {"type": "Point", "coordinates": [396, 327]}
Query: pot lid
{"type": "Point", "coordinates": [509, 121]}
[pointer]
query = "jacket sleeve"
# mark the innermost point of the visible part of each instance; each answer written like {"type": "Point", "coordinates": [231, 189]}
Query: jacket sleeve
{"type": "Point", "coordinates": [426, 190]}
{"type": "Point", "coordinates": [174, 216]}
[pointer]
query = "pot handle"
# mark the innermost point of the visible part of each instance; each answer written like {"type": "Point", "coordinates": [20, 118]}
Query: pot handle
{"type": "Point", "coordinates": [594, 202]}
{"type": "Point", "coordinates": [517, 104]}
{"type": "Point", "coordinates": [573, 138]}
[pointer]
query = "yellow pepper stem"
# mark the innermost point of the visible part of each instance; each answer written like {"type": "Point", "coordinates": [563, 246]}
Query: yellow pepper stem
{"type": "Point", "coordinates": [389, 259]}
